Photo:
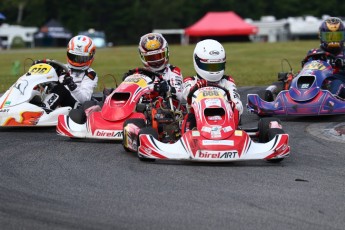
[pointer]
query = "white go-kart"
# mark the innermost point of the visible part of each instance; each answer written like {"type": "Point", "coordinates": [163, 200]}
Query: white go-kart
{"type": "Point", "coordinates": [23, 104]}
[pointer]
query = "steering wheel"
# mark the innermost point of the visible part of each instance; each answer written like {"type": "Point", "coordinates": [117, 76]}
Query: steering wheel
{"type": "Point", "coordinates": [144, 71]}
{"type": "Point", "coordinates": [205, 84]}
{"type": "Point", "coordinates": [321, 55]}
{"type": "Point", "coordinates": [60, 68]}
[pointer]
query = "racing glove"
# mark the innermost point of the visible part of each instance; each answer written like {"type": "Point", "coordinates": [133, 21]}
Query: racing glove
{"type": "Point", "coordinates": [201, 83]}
{"type": "Point", "coordinates": [162, 87]}
{"type": "Point", "coordinates": [68, 80]}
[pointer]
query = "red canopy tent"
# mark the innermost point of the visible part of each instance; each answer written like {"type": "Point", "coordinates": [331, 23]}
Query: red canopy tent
{"type": "Point", "coordinates": [220, 24]}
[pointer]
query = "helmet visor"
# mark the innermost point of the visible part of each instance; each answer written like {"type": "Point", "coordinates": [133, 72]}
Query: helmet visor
{"type": "Point", "coordinates": [154, 57]}
{"type": "Point", "coordinates": [79, 59]}
{"type": "Point", "coordinates": [210, 67]}
{"type": "Point", "coordinates": [333, 36]}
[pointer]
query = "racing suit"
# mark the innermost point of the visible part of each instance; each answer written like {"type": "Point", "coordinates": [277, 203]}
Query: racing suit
{"type": "Point", "coordinates": [173, 76]}
{"type": "Point", "coordinates": [336, 83]}
{"type": "Point", "coordinates": [73, 90]}
{"type": "Point", "coordinates": [226, 82]}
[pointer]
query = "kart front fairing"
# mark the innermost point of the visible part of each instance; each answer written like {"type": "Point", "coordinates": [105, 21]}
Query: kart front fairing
{"type": "Point", "coordinates": [107, 123]}
{"type": "Point", "coordinates": [305, 97]}
{"type": "Point", "coordinates": [195, 147]}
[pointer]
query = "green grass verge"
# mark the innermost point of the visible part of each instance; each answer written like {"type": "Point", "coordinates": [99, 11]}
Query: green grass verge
{"type": "Point", "coordinates": [251, 64]}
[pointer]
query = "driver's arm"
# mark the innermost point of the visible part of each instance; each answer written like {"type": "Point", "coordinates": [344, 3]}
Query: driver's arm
{"type": "Point", "coordinates": [188, 83]}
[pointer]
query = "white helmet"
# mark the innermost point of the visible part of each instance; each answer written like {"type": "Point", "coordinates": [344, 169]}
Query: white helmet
{"type": "Point", "coordinates": [80, 52]}
{"type": "Point", "coordinates": [209, 60]}
{"type": "Point", "coordinates": [154, 51]}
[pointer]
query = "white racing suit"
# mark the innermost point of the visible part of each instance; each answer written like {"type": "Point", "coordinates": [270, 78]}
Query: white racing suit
{"type": "Point", "coordinates": [173, 76]}
{"type": "Point", "coordinates": [62, 95]}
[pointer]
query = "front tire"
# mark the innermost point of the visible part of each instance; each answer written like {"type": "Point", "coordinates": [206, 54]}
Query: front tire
{"type": "Point", "coordinates": [140, 123]}
{"type": "Point", "coordinates": [78, 116]}
{"type": "Point", "coordinates": [264, 127]}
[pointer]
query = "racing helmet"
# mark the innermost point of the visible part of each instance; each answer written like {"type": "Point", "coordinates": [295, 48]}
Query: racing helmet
{"type": "Point", "coordinates": [332, 35]}
{"type": "Point", "coordinates": [80, 52]}
{"type": "Point", "coordinates": [209, 60]}
{"type": "Point", "coordinates": [154, 51]}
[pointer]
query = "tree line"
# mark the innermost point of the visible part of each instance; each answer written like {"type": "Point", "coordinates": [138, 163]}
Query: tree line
{"type": "Point", "coordinates": [124, 21]}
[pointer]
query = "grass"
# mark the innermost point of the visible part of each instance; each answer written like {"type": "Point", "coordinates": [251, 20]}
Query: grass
{"type": "Point", "coordinates": [251, 64]}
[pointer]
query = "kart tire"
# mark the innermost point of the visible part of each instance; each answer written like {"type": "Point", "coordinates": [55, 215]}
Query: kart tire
{"type": "Point", "coordinates": [88, 104]}
{"type": "Point", "coordinates": [151, 131]}
{"type": "Point", "coordinates": [77, 115]}
{"type": "Point", "coordinates": [266, 95]}
{"type": "Point", "coordinates": [136, 121]}
{"type": "Point", "coordinates": [269, 95]}
{"type": "Point", "coordinates": [271, 134]}
{"type": "Point", "coordinates": [264, 127]}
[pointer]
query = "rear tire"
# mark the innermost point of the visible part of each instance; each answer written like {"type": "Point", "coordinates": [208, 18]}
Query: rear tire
{"type": "Point", "coordinates": [136, 121]}
{"type": "Point", "coordinates": [78, 116]}
{"type": "Point", "coordinates": [151, 131]}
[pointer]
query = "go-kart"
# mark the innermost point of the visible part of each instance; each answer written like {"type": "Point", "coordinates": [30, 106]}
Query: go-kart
{"type": "Point", "coordinates": [22, 104]}
{"type": "Point", "coordinates": [304, 94]}
{"type": "Point", "coordinates": [127, 101]}
{"type": "Point", "coordinates": [216, 137]}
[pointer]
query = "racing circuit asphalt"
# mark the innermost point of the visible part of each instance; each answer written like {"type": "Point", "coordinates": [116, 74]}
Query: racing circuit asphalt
{"type": "Point", "coordinates": [50, 182]}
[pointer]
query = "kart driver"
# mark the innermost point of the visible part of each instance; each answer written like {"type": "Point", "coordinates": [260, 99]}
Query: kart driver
{"type": "Point", "coordinates": [77, 86]}
{"type": "Point", "coordinates": [332, 37]}
{"type": "Point", "coordinates": [209, 60]}
{"type": "Point", "coordinates": [154, 54]}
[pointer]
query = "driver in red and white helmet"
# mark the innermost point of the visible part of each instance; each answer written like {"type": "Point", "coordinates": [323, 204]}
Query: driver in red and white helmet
{"type": "Point", "coordinates": [154, 54]}
{"type": "Point", "coordinates": [209, 60]}
{"type": "Point", "coordinates": [77, 86]}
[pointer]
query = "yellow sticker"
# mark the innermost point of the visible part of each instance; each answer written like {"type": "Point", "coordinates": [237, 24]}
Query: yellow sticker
{"type": "Point", "coordinates": [208, 94]}
{"type": "Point", "coordinates": [136, 80]}
{"type": "Point", "coordinates": [238, 132]}
{"type": "Point", "coordinates": [40, 69]}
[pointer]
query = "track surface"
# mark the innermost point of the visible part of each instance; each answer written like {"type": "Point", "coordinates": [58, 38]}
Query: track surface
{"type": "Point", "coordinates": [50, 182]}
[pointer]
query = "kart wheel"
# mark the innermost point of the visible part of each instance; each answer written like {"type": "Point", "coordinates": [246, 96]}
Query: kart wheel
{"type": "Point", "coordinates": [151, 131]}
{"type": "Point", "coordinates": [78, 116]}
{"type": "Point", "coordinates": [264, 127]}
{"type": "Point", "coordinates": [270, 93]}
{"type": "Point", "coordinates": [136, 121]}
{"type": "Point", "coordinates": [266, 95]}
{"type": "Point", "coordinates": [271, 134]}
{"type": "Point", "coordinates": [88, 104]}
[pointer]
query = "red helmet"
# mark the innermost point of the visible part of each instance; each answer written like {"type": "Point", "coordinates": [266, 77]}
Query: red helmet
{"type": "Point", "coordinates": [154, 51]}
{"type": "Point", "coordinates": [80, 52]}
{"type": "Point", "coordinates": [332, 35]}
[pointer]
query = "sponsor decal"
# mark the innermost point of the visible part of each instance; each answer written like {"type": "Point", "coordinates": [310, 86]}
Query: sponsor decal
{"type": "Point", "coordinates": [214, 52]}
{"type": "Point", "coordinates": [108, 133]}
{"type": "Point", "coordinates": [214, 118]}
{"type": "Point", "coordinates": [146, 150]}
{"type": "Point", "coordinates": [195, 133]}
{"type": "Point", "coordinates": [238, 133]}
{"type": "Point", "coordinates": [7, 103]}
{"type": "Point", "coordinates": [213, 102]}
{"type": "Point", "coordinates": [218, 155]}
{"type": "Point", "coordinates": [206, 129]}
{"type": "Point", "coordinates": [218, 142]}
{"type": "Point", "coordinates": [228, 129]}
{"type": "Point", "coordinates": [4, 110]}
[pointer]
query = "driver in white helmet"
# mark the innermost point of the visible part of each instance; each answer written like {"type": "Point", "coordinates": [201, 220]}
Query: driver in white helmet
{"type": "Point", "coordinates": [209, 60]}
{"type": "Point", "coordinates": [77, 86]}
